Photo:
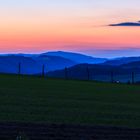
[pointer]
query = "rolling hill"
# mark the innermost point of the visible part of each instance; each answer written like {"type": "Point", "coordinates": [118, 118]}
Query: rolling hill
{"type": "Point", "coordinates": [54, 62]}
{"type": "Point", "coordinates": [32, 65]}
{"type": "Point", "coordinates": [121, 61]}
{"type": "Point", "coordinates": [99, 72]}
{"type": "Point", "coordinates": [10, 64]}
{"type": "Point", "coordinates": [77, 64]}
{"type": "Point", "coordinates": [76, 57]}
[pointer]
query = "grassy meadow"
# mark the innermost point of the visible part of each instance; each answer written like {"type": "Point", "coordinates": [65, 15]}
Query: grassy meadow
{"type": "Point", "coordinates": [36, 99]}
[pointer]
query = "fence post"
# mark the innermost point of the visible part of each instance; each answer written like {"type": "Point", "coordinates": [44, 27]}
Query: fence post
{"type": "Point", "coordinates": [19, 69]}
{"type": "Point", "coordinates": [112, 77]}
{"type": "Point", "coordinates": [43, 70]}
{"type": "Point", "coordinates": [133, 79]}
{"type": "Point", "coordinates": [88, 75]}
{"type": "Point", "coordinates": [66, 73]}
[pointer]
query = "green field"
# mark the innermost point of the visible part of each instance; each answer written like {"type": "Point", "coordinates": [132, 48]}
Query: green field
{"type": "Point", "coordinates": [34, 99]}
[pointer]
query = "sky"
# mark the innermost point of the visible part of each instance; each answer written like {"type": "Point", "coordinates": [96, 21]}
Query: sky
{"type": "Point", "coordinates": [34, 26]}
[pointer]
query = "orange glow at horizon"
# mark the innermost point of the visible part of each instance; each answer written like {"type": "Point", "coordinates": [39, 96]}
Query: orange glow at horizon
{"type": "Point", "coordinates": [60, 37]}
{"type": "Point", "coordinates": [37, 25]}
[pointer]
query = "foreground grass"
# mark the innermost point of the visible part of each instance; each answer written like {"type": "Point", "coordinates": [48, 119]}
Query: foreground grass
{"type": "Point", "coordinates": [32, 99]}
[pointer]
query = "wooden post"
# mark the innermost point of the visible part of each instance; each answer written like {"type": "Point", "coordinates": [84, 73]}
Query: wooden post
{"type": "Point", "coordinates": [19, 69]}
{"type": "Point", "coordinates": [66, 73]}
{"type": "Point", "coordinates": [112, 77]}
{"type": "Point", "coordinates": [43, 70]}
{"type": "Point", "coordinates": [88, 75]}
{"type": "Point", "coordinates": [133, 79]}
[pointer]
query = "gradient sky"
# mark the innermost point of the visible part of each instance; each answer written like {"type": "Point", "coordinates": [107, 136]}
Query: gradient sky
{"type": "Point", "coordinates": [34, 26]}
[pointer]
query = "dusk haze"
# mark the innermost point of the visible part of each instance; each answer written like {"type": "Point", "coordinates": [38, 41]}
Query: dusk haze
{"type": "Point", "coordinates": [34, 26]}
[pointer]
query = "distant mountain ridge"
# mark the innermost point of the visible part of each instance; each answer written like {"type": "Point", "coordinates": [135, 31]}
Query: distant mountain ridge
{"type": "Point", "coordinates": [54, 62]}
{"type": "Point", "coordinates": [32, 65]}
{"type": "Point", "coordinates": [76, 57]}
{"type": "Point", "coordinates": [122, 60]}
{"type": "Point", "coordinates": [59, 60]}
